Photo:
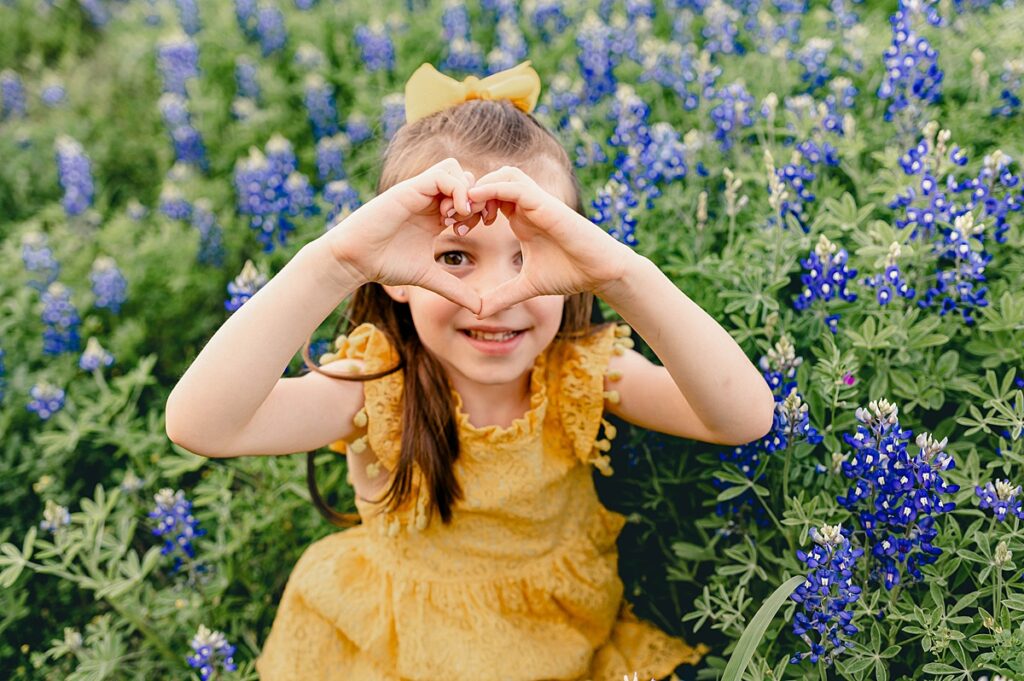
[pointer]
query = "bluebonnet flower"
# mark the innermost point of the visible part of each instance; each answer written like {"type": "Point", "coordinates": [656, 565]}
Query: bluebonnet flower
{"type": "Point", "coordinates": [913, 79]}
{"type": "Point", "coordinates": [595, 58]}
{"type": "Point", "coordinates": [393, 116]}
{"type": "Point", "coordinates": [357, 127]}
{"type": "Point", "coordinates": [895, 496]}
{"type": "Point", "coordinates": [270, 29]}
{"type": "Point", "coordinates": [548, 18]}
{"type": "Point", "coordinates": [330, 157]}
{"type": "Point", "coordinates": [954, 288]}
{"type": "Point", "coordinates": [53, 93]}
{"type": "Point", "coordinates": [454, 21]}
{"type": "Point", "coordinates": [211, 237]}
{"type": "Point", "coordinates": [891, 283]}
{"type": "Point", "coordinates": [74, 171]}
{"type": "Point", "coordinates": [38, 260]}
{"type": "Point", "coordinates": [55, 517]}
{"type": "Point", "coordinates": [1011, 77]}
{"type": "Point", "coordinates": [95, 356]}
{"type": "Point", "coordinates": [108, 284]}
{"type": "Point", "coordinates": [376, 47]}
{"type": "Point", "coordinates": [812, 56]}
{"type": "Point", "coordinates": [47, 400]}
{"type": "Point", "coordinates": [247, 84]}
{"type": "Point", "coordinates": [211, 647]}
{"type": "Point", "coordinates": [323, 113]}
{"type": "Point", "coordinates": [344, 199]}
{"type": "Point", "coordinates": [720, 30]}
{"type": "Point", "coordinates": [176, 524]}
{"type": "Point", "coordinates": [188, 15]}
{"type": "Point", "coordinates": [271, 191]}
{"type": "Point", "coordinates": [796, 177]}
{"type": "Point", "coordinates": [825, 594]}
{"type": "Point", "coordinates": [589, 151]}
{"type": "Point", "coordinates": [61, 319]}
{"type": "Point", "coordinates": [614, 204]}
{"type": "Point", "coordinates": [672, 66]}
{"type": "Point", "coordinates": [177, 60]}
{"type": "Point", "coordinates": [188, 142]}
{"type": "Point", "coordinates": [511, 47]}
{"type": "Point", "coordinates": [173, 203]}
{"type": "Point", "coordinates": [305, 5]}
{"type": "Point", "coordinates": [731, 113]}
{"type": "Point", "coordinates": [462, 55]}
{"type": "Point", "coordinates": [246, 284]}
{"type": "Point", "coordinates": [826, 276]}
{"type": "Point", "coordinates": [1003, 498]}
{"type": "Point", "coordinates": [245, 15]}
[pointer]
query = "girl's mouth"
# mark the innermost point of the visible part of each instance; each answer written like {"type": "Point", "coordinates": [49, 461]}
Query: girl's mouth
{"type": "Point", "coordinates": [494, 344]}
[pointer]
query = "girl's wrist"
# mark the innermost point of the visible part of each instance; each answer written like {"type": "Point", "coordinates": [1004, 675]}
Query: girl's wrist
{"type": "Point", "coordinates": [330, 254]}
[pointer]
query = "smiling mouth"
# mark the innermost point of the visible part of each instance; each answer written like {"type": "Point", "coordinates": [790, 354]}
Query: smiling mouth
{"type": "Point", "coordinates": [493, 337]}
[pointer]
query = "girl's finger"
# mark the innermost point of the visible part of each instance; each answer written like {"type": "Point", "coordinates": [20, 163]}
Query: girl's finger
{"type": "Point", "coordinates": [504, 296]}
{"type": "Point", "coordinates": [513, 192]}
{"type": "Point", "coordinates": [451, 287]}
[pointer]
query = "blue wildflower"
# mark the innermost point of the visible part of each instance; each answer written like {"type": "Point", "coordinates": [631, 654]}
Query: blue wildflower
{"type": "Point", "coordinates": [828, 589]}
{"type": "Point", "coordinates": [826, 275]}
{"type": "Point", "coordinates": [211, 647]}
{"type": "Point", "coordinates": [896, 496]}
{"type": "Point", "coordinates": [108, 284]}
{"type": "Point", "coordinates": [175, 522]}
{"type": "Point", "coordinates": [1002, 497]}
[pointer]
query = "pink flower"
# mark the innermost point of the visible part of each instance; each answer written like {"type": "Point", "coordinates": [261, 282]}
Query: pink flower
{"type": "Point", "coordinates": [848, 379]}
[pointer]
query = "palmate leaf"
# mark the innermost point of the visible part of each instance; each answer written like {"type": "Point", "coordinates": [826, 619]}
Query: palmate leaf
{"type": "Point", "coordinates": [754, 631]}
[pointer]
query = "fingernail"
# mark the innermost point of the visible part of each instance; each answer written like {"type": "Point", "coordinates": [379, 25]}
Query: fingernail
{"type": "Point", "coordinates": [469, 207]}
{"type": "Point", "coordinates": [463, 230]}
{"type": "Point", "coordinates": [451, 212]}
{"type": "Point", "coordinates": [449, 221]}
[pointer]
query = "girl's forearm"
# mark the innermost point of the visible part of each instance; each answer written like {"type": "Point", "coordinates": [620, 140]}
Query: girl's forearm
{"type": "Point", "coordinates": [725, 389]}
{"type": "Point", "coordinates": [238, 367]}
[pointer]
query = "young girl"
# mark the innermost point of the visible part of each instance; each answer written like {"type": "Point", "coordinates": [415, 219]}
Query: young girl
{"type": "Point", "coordinates": [471, 408]}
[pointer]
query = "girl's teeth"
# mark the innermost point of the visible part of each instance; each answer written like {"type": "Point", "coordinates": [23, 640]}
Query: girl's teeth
{"type": "Point", "coordinates": [492, 336]}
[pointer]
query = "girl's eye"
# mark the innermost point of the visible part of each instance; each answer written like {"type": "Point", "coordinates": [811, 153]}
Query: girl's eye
{"type": "Point", "coordinates": [447, 253]}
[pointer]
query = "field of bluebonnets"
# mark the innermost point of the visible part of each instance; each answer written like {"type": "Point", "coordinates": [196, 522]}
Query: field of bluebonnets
{"type": "Point", "coordinates": [838, 183]}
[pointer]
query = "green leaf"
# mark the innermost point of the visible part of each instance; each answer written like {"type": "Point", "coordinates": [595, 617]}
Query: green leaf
{"type": "Point", "coordinates": [754, 631]}
{"type": "Point", "coordinates": [940, 668]}
{"type": "Point", "coordinates": [731, 492]}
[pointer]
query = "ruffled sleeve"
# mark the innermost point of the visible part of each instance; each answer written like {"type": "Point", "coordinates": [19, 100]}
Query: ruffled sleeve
{"type": "Point", "coordinates": [380, 424]}
{"type": "Point", "coordinates": [582, 395]}
{"type": "Point", "coordinates": [380, 417]}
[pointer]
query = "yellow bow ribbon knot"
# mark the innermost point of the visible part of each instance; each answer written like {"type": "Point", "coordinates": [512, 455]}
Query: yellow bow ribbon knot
{"type": "Point", "coordinates": [428, 90]}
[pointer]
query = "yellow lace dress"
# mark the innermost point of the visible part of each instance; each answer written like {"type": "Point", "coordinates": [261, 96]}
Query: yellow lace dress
{"type": "Point", "coordinates": [523, 585]}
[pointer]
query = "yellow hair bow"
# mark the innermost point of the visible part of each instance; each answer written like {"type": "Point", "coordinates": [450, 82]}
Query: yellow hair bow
{"type": "Point", "coordinates": [428, 90]}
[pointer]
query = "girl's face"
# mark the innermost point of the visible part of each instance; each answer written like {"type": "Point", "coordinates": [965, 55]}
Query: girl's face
{"type": "Point", "coordinates": [483, 259]}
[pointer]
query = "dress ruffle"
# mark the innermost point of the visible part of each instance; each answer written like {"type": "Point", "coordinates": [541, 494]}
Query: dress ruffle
{"type": "Point", "coordinates": [582, 394]}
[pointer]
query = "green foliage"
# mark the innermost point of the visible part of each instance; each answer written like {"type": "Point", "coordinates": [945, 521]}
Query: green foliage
{"type": "Point", "coordinates": [97, 600]}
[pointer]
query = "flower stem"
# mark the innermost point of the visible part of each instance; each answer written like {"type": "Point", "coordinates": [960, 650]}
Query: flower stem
{"type": "Point", "coordinates": [785, 475]}
{"type": "Point", "coordinates": [778, 525]}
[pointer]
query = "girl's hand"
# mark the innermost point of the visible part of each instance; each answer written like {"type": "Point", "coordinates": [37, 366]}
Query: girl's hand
{"type": "Point", "coordinates": [390, 239]}
{"type": "Point", "coordinates": [563, 252]}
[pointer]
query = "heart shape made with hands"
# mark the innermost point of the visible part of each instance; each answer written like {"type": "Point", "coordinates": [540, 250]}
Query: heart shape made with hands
{"type": "Point", "coordinates": [563, 252]}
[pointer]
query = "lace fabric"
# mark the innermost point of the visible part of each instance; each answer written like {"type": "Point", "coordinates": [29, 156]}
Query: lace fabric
{"type": "Point", "coordinates": [528, 565]}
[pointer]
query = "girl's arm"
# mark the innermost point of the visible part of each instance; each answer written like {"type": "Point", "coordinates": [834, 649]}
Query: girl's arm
{"type": "Point", "coordinates": [719, 383]}
{"type": "Point", "coordinates": [237, 369]}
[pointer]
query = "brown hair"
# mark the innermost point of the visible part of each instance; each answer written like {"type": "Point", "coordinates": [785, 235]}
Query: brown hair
{"type": "Point", "coordinates": [486, 131]}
